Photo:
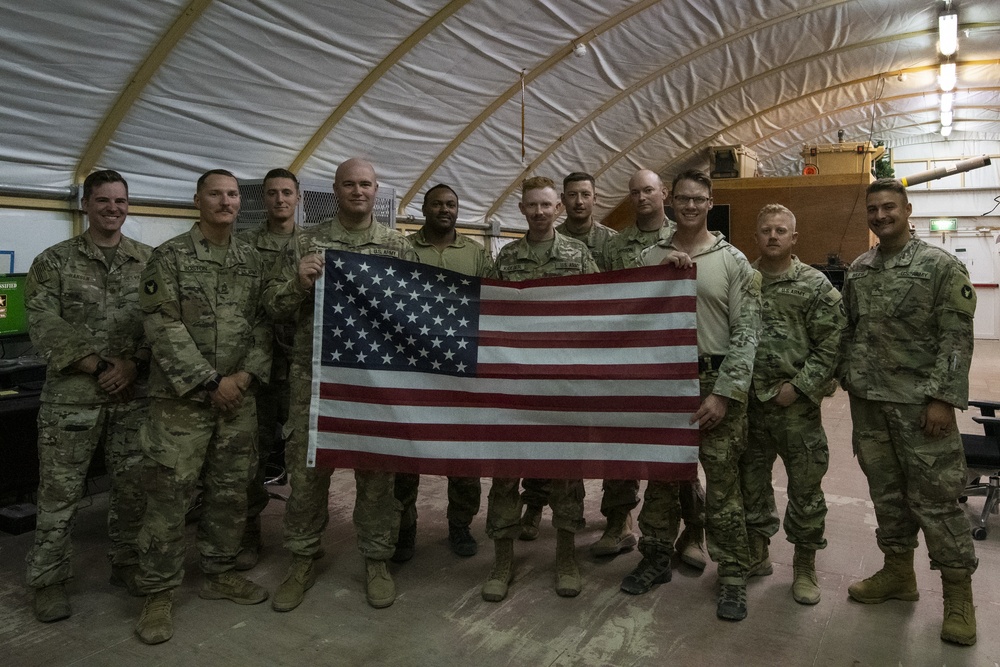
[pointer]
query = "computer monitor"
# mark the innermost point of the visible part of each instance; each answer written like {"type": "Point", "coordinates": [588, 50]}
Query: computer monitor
{"type": "Point", "coordinates": [13, 316]}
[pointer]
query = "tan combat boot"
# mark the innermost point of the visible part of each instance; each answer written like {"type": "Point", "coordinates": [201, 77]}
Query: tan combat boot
{"type": "Point", "coordinates": [380, 590]}
{"type": "Point", "coordinates": [618, 537]}
{"type": "Point", "coordinates": [959, 626]}
{"type": "Point", "coordinates": [568, 582]}
{"type": "Point", "coordinates": [895, 581]}
{"type": "Point", "coordinates": [805, 586]}
{"type": "Point", "coordinates": [51, 603]}
{"type": "Point", "coordinates": [690, 546]}
{"type": "Point", "coordinates": [300, 577]}
{"type": "Point", "coordinates": [495, 588]}
{"type": "Point", "coordinates": [760, 558]}
{"type": "Point", "coordinates": [155, 625]}
{"type": "Point", "coordinates": [529, 523]}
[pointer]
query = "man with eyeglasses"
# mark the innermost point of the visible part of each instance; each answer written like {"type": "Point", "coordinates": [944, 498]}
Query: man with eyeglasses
{"type": "Point", "coordinates": [648, 196]}
{"type": "Point", "coordinates": [728, 305]}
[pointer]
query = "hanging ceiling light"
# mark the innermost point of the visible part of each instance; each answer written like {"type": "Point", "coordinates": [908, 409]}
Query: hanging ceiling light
{"type": "Point", "coordinates": [945, 130]}
{"type": "Point", "coordinates": [948, 77]}
{"type": "Point", "coordinates": [946, 118]}
{"type": "Point", "coordinates": [947, 102]}
{"type": "Point", "coordinates": [948, 32]}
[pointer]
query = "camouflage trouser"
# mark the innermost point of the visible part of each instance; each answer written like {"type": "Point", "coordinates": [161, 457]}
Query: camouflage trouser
{"type": "Point", "coordinates": [536, 491]}
{"type": "Point", "coordinates": [503, 507]}
{"type": "Point", "coordinates": [464, 495]}
{"type": "Point", "coordinates": [914, 482]}
{"type": "Point", "coordinates": [796, 434]}
{"type": "Point", "coordinates": [725, 525]}
{"type": "Point", "coordinates": [272, 413]}
{"type": "Point", "coordinates": [619, 495]}
{"type": "Point", "coordinates": [68, 435]}
{"type": "Point", "coordinates": [664, 505]}
{"type": "Point", "coordinates": [181, 440]}
{"type": "Point", "coordinates": [376, 510]}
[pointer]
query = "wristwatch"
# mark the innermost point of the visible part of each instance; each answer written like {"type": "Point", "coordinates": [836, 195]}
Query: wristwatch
{"type": "Point", "coordinates": [102, 366]}
{"type": "Point", "coordinates": [213, 383]}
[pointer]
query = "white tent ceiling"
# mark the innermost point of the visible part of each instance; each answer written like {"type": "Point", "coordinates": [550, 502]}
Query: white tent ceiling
{"type": "Point", "coordinates": [431, 91]}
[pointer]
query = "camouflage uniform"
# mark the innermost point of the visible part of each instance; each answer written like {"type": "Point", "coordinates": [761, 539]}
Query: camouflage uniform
{"type": "Point", "coordinates": [272, 398]}
{"type": "Point", "coordinates": [623, 252]}
{"type": "Point", "coordinates": [909, 339]}
{"type": "Point", "coordinates": [78, 304]}
{"type": "Point", "coordinates": [464, 493]}
{"type": "Point", "coordinates": [516, 262]}
{"type": "Point", "coordinates": [802, 316]}
{"type": "Point", "coordinates": [202, 318]}
{"type": "Point", "coordinates": [376, 511]}
{"type": "Point", "coordinates": [596, 239]}
{"type": "Point", "coordinates": [728, 304]}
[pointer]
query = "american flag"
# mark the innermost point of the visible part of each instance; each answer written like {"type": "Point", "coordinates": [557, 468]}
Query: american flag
{"type": "Point", "coordinates": [420, 369]}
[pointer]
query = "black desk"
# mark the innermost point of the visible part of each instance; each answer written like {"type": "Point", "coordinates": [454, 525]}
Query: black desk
{"type": "Point", "coordinates": [19, 449]}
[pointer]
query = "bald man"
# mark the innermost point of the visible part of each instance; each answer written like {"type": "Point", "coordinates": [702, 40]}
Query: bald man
{"type": "Point", "coordinates": [289, 295]}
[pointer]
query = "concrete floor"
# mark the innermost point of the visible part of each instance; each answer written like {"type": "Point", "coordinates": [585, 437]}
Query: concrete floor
{"type": "Point", "coordinates": [440, 619]}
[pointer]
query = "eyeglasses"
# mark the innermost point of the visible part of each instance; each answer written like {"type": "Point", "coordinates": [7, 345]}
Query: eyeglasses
{"type": "Point", "coordinates": [697, 201]}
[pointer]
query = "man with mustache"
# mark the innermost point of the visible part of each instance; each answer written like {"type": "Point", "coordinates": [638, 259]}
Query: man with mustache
{"type": "Point", "coordinates": [437, 243]}
{"type": "Point", "coordinates": [907, 350]}
{"type": "Point", "coordinates": [802, 317]}
{"type": "Point", "coordinates": [201, 293]}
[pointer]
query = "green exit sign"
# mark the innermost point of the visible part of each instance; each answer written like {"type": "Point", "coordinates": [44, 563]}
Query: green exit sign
{"type": "Point", "coordinates": [944, 224]}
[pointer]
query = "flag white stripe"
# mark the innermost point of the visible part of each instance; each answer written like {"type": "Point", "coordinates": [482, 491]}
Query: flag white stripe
{"type": "Point", "coordinates": [625, 356]}
{"type": "Point", "coordinates": [588, 324]}
{"type": "Point", "coordinates": [417, 414]}
{"type": "Point", "coordinates": [404, 380]}
{"type": "Point", "coordinates": [511, 451]}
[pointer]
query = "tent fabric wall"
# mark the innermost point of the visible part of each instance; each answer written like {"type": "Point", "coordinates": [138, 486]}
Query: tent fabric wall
{"type": "Point", "coordinates": [429, 90]}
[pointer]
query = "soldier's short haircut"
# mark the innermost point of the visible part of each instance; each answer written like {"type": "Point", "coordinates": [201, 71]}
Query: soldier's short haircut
{"type": "Point", "coordinates": [537, 183]}
{"type": "Point", "coordinates": [887, 185]}
{"type": "Point", "coordinates": [774, 209]}
{"type": "Point", "coordinates": [281, 173]}
{"type": "Point", "coordinates": [699, 177]}
{"type": "Point", "coordinates": [102, 177]}
{"type": "Point", "coordinates": [215, 172]}
{"type": "Point", "coordinates": [578, 176]}
{"type": "Point", "coordinates": [440, 186]}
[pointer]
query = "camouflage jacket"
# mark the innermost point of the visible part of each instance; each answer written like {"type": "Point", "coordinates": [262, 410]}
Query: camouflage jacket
{"type": "Point", "coordinates": [624, 250]}
{"type": "Point", "coordinates": [802, 317]}
{"type": "Point", "coordinates": [285, 298]}
{"type": "Point", "coordinates": [728, 311]}
{"type": "Point", "coordinates": [909, 332]}
{"type": "Point", "coordinates": [566, 257]}
{"type": "Point", "coordinates": [77, 305]}
{"type": "Point", "coordinates": [464, 255]}
{"type": "Point", "coordinates": [270, 248]}
{"type": "Point", "coordinates": [203, 317]}
{"type": "Point", "coordinates": [596, 239]}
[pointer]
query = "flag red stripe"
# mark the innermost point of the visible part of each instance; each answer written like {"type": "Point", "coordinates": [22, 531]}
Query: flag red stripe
{"type": "Point", "coordinates": [681, 371]}
{"type": "Point", "coordinates": [543, 468]}
{"type": "Point", "coordinates": [465, 399]}
{"type": "Point", "coordinates": [622, 307]}
{"type": "Point", "coordinates": [587, 339]}
{"type": "Point", "coordinates": [508, 432]}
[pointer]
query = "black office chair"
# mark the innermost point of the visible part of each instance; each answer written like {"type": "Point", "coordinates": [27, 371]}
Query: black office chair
{"type": "Point", "coordinates": [982, 453]}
